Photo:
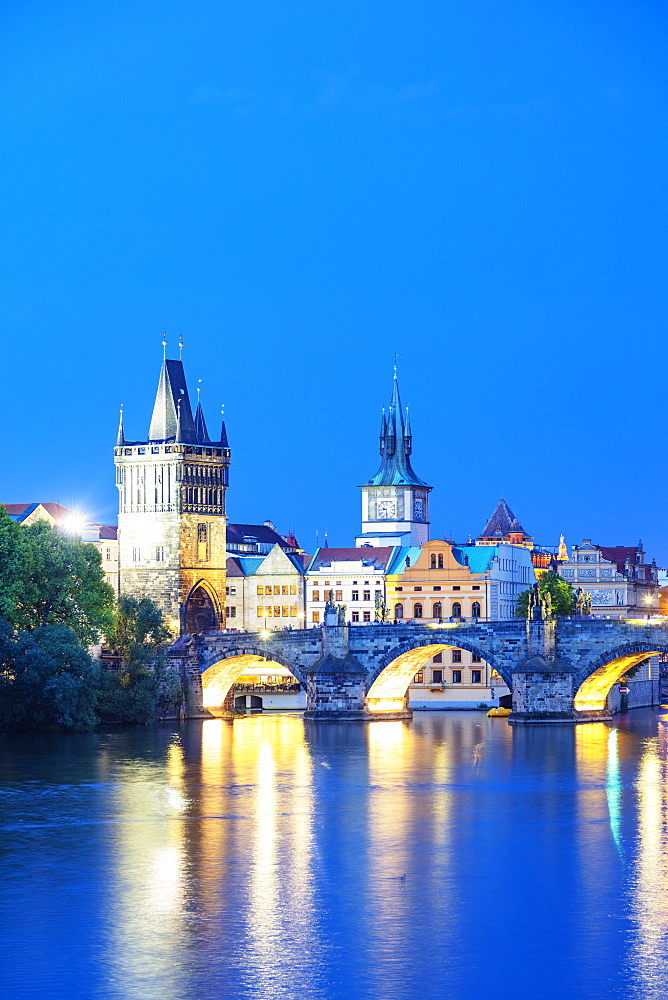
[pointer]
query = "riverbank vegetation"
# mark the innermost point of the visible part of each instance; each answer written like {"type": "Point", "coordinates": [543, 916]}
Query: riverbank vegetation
{"type": "Point", "coordinates": [54, 606]}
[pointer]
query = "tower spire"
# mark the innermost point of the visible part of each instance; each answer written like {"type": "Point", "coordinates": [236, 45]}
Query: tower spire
{"type": "Point", "coordinates": [178, 437]}
{"type": "Point", "coordinates": [201, 433]}
{"type": "Point", "coordinates": [120, 437]}
{"type": "Point", "coordinates": [223, 429]}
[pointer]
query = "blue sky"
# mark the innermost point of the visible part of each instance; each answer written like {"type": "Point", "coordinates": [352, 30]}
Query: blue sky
{"type": "Point", "coordinates": [302, 189]}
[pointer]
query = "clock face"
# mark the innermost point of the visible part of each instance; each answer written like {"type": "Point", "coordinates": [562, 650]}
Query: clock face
{"type": "Point", "coordinates": [418, 508]}
{"type": "Point", "coordinates": [387, 509]}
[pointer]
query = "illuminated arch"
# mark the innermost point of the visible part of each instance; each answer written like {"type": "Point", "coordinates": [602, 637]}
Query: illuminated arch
{"type": "Point", "coordinates": [219, 675]}
{"type": "Point", "coordinates": [387, 683]}
{"type": "Point", "coordinates": [593, 682]}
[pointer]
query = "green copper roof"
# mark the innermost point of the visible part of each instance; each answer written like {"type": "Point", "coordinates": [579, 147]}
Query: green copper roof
{"type": "Point", "coordinates": [396, 445]}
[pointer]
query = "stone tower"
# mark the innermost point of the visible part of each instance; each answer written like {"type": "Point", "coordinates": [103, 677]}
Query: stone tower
{"type": "Point", "coordinates": [171, 522]}
{"type": "Point", "coordinates": [395, 502]}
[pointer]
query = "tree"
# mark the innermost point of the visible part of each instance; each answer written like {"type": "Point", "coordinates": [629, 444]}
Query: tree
{"type": "Point", "coordinates": [47, 680]}
{"type": "Point", "coordinates": [138, 635]}
{"type": "Point", "coordinates": [53, 578]}
{"type": "Point", "coordinates": [559, 590]}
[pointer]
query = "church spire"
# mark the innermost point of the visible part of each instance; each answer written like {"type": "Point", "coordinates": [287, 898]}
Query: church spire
{"type": "Point", "coordinates": [172, 392]}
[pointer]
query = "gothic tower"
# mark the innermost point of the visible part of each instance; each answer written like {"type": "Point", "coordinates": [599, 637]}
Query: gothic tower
{"type": "Point", "coordinates": [395, 502]}
{"type": "Point", "coordinates": [171, 522]}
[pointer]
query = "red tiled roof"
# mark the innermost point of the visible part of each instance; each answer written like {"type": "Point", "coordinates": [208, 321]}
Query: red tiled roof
{"type": "Point", "coordinates": [379, 557]}
{"type": "Point", "coordinates": [619, 554]}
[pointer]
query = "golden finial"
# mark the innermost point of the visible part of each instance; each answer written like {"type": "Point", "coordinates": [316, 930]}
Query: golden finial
{"type": "Point", "coordinates": [180, 347]}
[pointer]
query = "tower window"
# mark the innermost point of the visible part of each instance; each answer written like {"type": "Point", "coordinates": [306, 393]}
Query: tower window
{"type": "Point", "coordinates": [136, 554]}
{"type": "Point", "coordinates": [202, 542]}
{"type": "Point", "coordinates": [160, 553]}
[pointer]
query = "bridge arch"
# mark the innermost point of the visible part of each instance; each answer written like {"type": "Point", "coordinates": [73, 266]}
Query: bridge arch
{"type": "Point", "coordinates": [387, 683]}
{"type": "Point", "coordinates": [221, 669]}
{"type": "Point", "coordinates": [593, 682]}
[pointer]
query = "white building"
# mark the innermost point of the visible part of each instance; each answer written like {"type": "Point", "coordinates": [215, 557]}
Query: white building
{"type": "Point", "coordinates": [353, 577]}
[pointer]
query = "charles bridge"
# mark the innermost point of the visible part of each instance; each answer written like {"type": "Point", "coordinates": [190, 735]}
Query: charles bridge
{"type": "Point", "coordinates": [557, 670]}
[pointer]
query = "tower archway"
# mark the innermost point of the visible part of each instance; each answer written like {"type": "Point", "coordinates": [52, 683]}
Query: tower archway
{"type": "Point", "coordinates": [202, 609]}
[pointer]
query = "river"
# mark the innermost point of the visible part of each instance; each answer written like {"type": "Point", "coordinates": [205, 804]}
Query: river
{"type": "Point", "coordinates": [453, 857]}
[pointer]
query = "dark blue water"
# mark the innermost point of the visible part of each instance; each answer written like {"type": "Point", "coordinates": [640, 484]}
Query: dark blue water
{"type": "Point", "coordinates": [451, 857]}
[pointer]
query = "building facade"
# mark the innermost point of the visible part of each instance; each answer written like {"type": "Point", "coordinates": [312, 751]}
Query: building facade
{"type": "Point", "coordinates": [617, 577]}
{"type": "Point", "coordinates": [395, 501]}
{"type": "Point", "coordinates": [265, 591]}
{"type": "Point", "coordinates": [171, 522]}
{"type": "Point", "coordinates": [351, 577]}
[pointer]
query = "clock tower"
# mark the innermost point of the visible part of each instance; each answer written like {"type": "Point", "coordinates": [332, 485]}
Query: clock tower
{"type": "Point", "coordinates": [395, 502]}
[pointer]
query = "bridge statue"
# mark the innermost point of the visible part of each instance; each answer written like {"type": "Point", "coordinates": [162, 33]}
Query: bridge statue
{"type": "Point", "coordinates": [558, 669]}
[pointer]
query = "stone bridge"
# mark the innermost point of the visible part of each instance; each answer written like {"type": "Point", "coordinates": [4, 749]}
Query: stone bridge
{"type": "Point", "coordinates": [557, 670]}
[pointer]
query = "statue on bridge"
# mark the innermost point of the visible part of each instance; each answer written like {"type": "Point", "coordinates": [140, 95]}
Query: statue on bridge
{"type": "Point", "coordinates": [540, 604]}
{"type": "Point", "coordinates": [335, 614]}
{"type": "Point", "coordinates": [582, 602]}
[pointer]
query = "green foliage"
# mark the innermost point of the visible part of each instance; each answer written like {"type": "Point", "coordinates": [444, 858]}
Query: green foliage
{"type": "Point", "coordinates": [560, 591]}
{"type": "Point", "coordinates": [47, 680]}
{"type": "Point", "coordinates": [138, 635]}
{"type": "Point", "coordinates": [50, 578]}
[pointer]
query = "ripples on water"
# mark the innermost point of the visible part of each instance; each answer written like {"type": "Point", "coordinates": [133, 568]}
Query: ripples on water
{"type": "Point", "coordinates": [451, 857]}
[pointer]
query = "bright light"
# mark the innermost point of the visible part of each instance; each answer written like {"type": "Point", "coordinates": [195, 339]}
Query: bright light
{"type": "Point", "coordinates": [75, 524]}
{"type": "Point", "coordinates": [264, 634]}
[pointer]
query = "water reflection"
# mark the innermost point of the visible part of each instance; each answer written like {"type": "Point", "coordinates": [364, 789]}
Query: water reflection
{"type": "Point", "coordinates": [451, 856]}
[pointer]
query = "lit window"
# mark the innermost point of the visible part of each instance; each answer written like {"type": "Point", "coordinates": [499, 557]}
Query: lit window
{"type": "Point", "coordinates": [277, 611]}
{"type": "Point", "coordinates": [367, 616]}
{"type": "Point", "coordinates": [316, 617]}
{"type": "Point", "coordinates": [419, 677]}
{"type": "Point", "coordinates": [339, 595]}
{"type": "Point", "coordinates": [260, 612]}
{"type": "Point", "coordinates": [456, 676]}
{"type": "Point", "coordinates": [277, 590]}
{"type": "Point", "coordinates": [293, 588]}
{"type": "Point", "coordinates": [316, 595]}
{"type": "Point", "coordinates": [284, 590]}
{"type": "Point", "coordinates": [293, 611]}
{"type": "Point", "coordinates": [260, 591]}
{"type": "Point", "coordinates": [285, 613]}
{"type": "Point", "coordinates": [267, 612]}
{"type": "Point", "coordinates": [366, 595]}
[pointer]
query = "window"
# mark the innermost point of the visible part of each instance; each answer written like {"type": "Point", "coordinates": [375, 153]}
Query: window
{"type": "Point", "coordinates": [230, 612]}
{"type": "Point", "coordinates": [398, 588]}
{"type": "Point", "coordinates": [456, 676]}
{"type": "Point", "coordinates": [475, 609]}
{"type": "Point", "coordinates": [260, 591]}
{"type": "Point", "coordinates": [136, 554]}
{"type": "Point", "coordinates": [367, 616]}
{"type": "Point", "coordinates": [277, 590]}
{"type": "Point", "coordinates": [260, 612]}
{"type": "Point", "coordinates": [437, 610]}
{"type": "Point", "coordinates": [433, 560]}
{"type": "Point", "coordinates": [202, 542]}
{"type": "Point", "coordinates": [328, 595]}
{"type": "Point", "coordinates": [284, 589]}
{"type": "Point", "coordinates": [160, 553]}
{"type": "Point", "coordinates": [285, 611]}
{"type": "Point", "coordinates": [277, 612]}
{"type": "Point", "coordinates": [398, 611]}
{"type": "Point", "coordinates": [293, 611]}
{"type": "Point", "coordinates": [476, 588]}
{"type": "Point", "coordinates": [476, 676]}
{"type": "Point", "coordinates": [438, 658]}
{"type": "Point", "coordinates": [108, 554]}
{"type": "Point", "coordinates": [316, 617]}
{"type": "Point", "coordinates": [475, 658]}
{"type": "Point", "coordinates": [440, 560]}
{"type": "Point", "coordinates": [355, 616]}
{"type": "Point", "coordinates": [437, 677]}
{"type": "Point", "coordinates": [437, 588]}
{"type": "Point", "coordinates": [419, 677]}
{"type": "Point", "coordinates": [339, 595]}
{"type": "Point", "coordinates": [267, 612]}
{"type": "Point", "coordinates": [417, 611]}
{"type": "Point", "coordinates": [456, 588]}
{"type": "Point", "coordinates": [293, 588]}
{"type": "Point", "coordinates": [456, 610]}
{"type": "Point", "coordinates": [456, 656]}
{"type": "Point", "coordinates": [355, 595]}
{"type": "Point", "coordinates": [316, 595]}
{"type": "Point", "coordinates": [230, 590]}
{"type": "Point", "coordinates": [366, 596]}
{"type": "Point", "coordinates": [417, 588]}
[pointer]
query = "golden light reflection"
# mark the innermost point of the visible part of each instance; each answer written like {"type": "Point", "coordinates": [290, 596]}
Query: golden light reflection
{"type": "Point", "coordinates": [592, 694]}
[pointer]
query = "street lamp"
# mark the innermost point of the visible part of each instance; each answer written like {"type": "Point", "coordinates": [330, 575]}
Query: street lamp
{"type": "Point", "coordinates": [649, 601]}
{"type": "Point", "coordinates": [301, 617]}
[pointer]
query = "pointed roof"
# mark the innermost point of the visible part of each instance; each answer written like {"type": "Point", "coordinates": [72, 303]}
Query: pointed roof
{"type": "Point", "coordinates": [201, 432]}
{"type": "Point", "coordinates": [502, 522]}
{"type": "Point", "coordinates": [395, 448]}
{"type": "Point", "coordinates": [120, 437]}
{"type": "Point", "coordinates": [172, 390]}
